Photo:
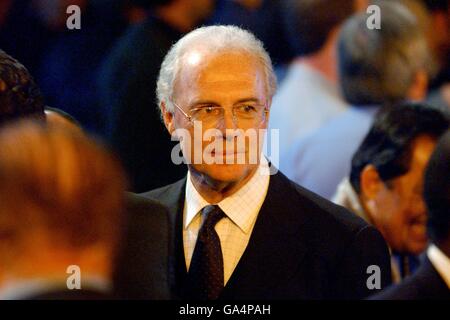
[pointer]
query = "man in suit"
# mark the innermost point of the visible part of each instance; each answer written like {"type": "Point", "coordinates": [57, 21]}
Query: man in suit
{"type": "Point", "coordinates": [236, 231]}
{"type": "Point", "coordinates": [432, 279]}
{"type": "Point", "coordinates": [386, 178]}
{"type": "Point", "coordinates": [61, 214]}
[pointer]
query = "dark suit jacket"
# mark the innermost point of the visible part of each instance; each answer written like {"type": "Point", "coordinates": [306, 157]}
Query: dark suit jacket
{"type": "Point", "coordinates": [127, 86]}
{"type": "Point", "coordinates": [302, 247]}
{"type": "Point", "coordinates": [142, 264]}
{"type": "Point", "coordinates": [425, 283]}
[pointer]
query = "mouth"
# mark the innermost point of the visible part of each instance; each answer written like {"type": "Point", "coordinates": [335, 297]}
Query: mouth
{"type": "Point", "coordinates": [422, 220]}
{"type": "Point", "coordinates": [419, 225]}
{"type": "Point", "coordinates": [227, 153]}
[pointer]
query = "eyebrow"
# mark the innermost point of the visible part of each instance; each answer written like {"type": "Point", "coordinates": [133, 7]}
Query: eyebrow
{"type": "Point", "coordinates": [197, 103]}
{"type": "Point", "coordinates": [203, 102]}
{"type": "Point", "coordinates": [248, 100]}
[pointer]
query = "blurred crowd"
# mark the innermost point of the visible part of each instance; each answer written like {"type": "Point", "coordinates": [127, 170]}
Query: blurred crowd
{"type": "Point", "coordinates": [360, 113]}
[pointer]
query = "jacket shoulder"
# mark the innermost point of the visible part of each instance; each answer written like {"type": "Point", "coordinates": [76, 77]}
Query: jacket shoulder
{"type": "Point", "coordinates": [138, 204]}
{"type": "Point", "coordinates": [167, 194]}
{"type": "Point", "coordinates": [325, 226]}
{"type": "Point", "coordinates": [323, 210]}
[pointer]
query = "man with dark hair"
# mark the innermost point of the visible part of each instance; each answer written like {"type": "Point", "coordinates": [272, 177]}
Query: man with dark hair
{"type": "Point", "coordinates": [385, 185]}
{"type": "Point", "coordinates": [432, 279]}
{"type": "Point", "coordinates": [19, 95]}
{"type": "Point", "coordinates": [311, 23]}
{"type": "Point", "coordinates": [376, 66]}
{"type": "Point", "coordinates": [309, 96]}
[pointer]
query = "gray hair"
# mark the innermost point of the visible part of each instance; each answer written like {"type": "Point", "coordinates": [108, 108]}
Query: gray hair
{"type": "Point", "coordinates": [215, 39]}
{"type": "Point", "coordinates": [378, 66]}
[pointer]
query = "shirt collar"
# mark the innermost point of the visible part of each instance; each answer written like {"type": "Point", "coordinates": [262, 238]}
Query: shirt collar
{"type": "Point", "coordinates": [242, 207]}
{"type": "Point", "coordinates": [440, 262]}
{"type": "Point", "coordinates": [307, 74]}
{"type": "Point", "coordinates": [346, 196]}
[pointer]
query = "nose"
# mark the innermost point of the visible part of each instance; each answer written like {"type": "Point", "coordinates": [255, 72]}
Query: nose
{"type": "Point", "coordinates": [421, 206]}
{"type": "Point", "coordinates": [228, 121]}
{"type": "Point", "coordinates": [418, 207]}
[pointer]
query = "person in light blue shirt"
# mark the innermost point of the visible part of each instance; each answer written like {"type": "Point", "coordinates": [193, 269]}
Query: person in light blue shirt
{"type": "Point", "coordinates": [320, 159]}
{"type": "Point", "coordinates": [376, 67]}
{"type": "Point", "coordinates": [309, 94]}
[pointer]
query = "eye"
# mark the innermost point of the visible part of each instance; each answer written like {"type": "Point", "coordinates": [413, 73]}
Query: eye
{"type": "Point", "coordinates": [246, 109]}
{"type": "Point", "coordinates": [206, 111]}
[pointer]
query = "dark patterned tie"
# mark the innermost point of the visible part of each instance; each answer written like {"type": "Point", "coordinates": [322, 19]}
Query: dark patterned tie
{"type": "Point", "coordinates": [205, 277]}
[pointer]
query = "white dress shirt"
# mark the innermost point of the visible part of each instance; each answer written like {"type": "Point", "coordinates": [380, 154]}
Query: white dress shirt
{"type": "Point", "coordinates": [241, 210]}
{"type": "Point", "coordinates": [440, 262]}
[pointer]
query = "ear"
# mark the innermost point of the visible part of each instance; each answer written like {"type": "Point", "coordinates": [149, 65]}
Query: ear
{"type": "Point", "coordinates": [167, 118]}
{"type": "Point", "coordinates": [370, 181]}
{"type": "Point", "coordinates": [418, 89]}
{"type": "Point", "coordinates": [269, 103]}
{"type": "Point", "coordinates": [265, 123]}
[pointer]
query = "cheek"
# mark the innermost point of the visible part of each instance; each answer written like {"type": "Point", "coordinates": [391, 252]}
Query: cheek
{"type": "Point", "coordinates": [396, 213]}
{"type": "Point", "coordinates": [400, 226]}
{"type": "Point", "coordinates": [389, 214]}
{"type": "Point", "coordinates": [399, 222]}
{"type": "Point", "coordinates": [386, 207]}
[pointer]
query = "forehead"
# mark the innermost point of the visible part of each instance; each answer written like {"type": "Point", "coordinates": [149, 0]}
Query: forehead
{"type": "Point", "coordinates": [221, 76]}
{"type": "Point", "coordinates": [421, 150]}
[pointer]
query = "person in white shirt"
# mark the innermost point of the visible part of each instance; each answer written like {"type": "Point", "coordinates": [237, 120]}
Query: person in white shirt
{"type": "Point", "coordinates": [432, 279]}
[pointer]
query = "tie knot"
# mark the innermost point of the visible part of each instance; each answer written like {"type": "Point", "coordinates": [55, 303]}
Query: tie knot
{"type": "Point", "coordinates": [213, 215]}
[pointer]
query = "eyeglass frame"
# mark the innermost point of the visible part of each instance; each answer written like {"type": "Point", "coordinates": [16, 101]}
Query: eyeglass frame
{"type": "Point", "coordinates": [189, 118]}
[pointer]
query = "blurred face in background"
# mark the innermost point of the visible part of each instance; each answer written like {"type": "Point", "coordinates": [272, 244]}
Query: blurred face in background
{"type": "Point", "coordinates": [397, 207]}
{"type": "Point", "coordinates": [61, 200]}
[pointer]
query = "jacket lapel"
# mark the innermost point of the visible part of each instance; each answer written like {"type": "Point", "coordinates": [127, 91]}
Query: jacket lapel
{"type": "Point", "coordinates": [430, 283]}
{"type": "Point", "coordinates": [271, 256]}
{"type": "Point", "coordinates": [172, 197]}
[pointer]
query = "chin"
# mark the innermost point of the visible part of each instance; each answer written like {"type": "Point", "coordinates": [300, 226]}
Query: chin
{"type": "Point", "coordinates": [226, 172]}
{"type": "Point", "coordinates": [417, 247]}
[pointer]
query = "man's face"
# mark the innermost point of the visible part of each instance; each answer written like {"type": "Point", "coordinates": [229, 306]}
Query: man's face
{"type": "Point", "coordinates": [228, 80]}
{"type": "Point", "coordinates": [399, 211]}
